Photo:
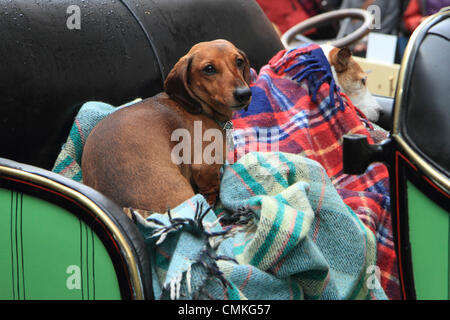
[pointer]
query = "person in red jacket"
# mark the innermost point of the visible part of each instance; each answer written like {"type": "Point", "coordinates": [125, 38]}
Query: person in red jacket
{"type": "Point", "coordinates": [419, 10]}
{"type": "Point", "coordinates": [284, 14]}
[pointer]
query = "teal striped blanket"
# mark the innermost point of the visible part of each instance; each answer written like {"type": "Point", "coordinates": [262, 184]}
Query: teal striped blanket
{"type": "Point", "coordinates": [279, 231]}
{"type": "Point", "coordinates": [68, 162]}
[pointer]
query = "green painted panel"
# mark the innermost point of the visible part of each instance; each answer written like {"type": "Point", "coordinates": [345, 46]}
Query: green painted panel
{"type": "Point", "coordinates": [429, 227]}
{"type": "Point", "coordinates": [7, 289]}
{"type": "Point", "coordinates": [48, 253]}
{"type": "Point", "coordinates": [104, 273]}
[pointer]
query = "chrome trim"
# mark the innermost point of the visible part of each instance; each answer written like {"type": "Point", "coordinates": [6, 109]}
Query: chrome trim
{"type": "Point", "coordinates": [438, 178]}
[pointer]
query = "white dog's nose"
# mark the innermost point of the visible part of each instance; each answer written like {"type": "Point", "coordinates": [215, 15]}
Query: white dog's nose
{"type": "Point", "coordinates": [368, 105]}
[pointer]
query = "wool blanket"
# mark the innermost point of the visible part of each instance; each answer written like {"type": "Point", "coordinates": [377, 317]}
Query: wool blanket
{"type": "Point", "coordinates": [296, 109]}
{"type": "Point", "coordinates": [68, 162]}
{"type": "Point", "coordinates": [280, 231]}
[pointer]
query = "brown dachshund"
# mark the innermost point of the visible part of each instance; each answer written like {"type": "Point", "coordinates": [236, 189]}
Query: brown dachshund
{"type": "Point", "coordinates": [127, 156]}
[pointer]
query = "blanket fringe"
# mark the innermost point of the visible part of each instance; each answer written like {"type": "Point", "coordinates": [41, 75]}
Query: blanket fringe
{"type": "Point", "coordinates": [315, 62]}
{"type": "Point", "coordinates": [207, 258]}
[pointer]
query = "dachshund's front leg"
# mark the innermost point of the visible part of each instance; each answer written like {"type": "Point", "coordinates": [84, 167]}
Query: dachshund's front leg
{"type": "Point", "coordinates": [206, 179]}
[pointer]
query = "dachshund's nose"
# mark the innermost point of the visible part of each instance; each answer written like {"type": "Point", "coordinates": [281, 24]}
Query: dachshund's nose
{"type": "Point", "coordinates": [242, 95]}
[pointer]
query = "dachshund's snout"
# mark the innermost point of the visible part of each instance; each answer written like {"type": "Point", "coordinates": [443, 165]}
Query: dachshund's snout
{"type": "Point", "coordinates": [242, 94]}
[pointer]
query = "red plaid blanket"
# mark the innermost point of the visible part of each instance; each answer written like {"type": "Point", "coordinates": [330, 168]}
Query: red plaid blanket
{"type": "Point", "coordinates": [297, 108]}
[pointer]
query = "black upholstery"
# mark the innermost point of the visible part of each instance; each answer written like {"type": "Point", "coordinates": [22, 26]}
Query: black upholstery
{"type": "Point", "coordinates": [426, 105]}
{"type": "Point", "coordinates": [387, 106]}
{"type": "Point", "coordinates": [123, 50]}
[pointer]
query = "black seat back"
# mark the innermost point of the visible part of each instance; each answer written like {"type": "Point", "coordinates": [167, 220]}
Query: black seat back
{"type": "Point", "coordinates": [122, 50]}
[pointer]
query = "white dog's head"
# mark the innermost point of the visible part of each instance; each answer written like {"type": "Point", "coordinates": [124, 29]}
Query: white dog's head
{"type": "Point", "coordinates": [352, 80]}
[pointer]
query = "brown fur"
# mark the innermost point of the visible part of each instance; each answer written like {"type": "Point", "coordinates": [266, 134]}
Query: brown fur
{"type": "Point", "coordinates": [127, 156]}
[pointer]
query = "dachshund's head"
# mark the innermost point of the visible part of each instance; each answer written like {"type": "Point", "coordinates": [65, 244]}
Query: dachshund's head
{"type": "Point", "coordinates": [213, 77]}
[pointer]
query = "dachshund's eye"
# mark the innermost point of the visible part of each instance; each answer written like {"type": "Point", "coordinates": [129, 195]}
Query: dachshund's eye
{"type": "Point", "coordinates": [239, 62]}
{"type": "Point", "coordinates": [209, 69]}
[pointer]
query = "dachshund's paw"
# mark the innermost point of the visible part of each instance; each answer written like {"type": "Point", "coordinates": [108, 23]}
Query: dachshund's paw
{"type": "Point", "coordinates": [211, 195]}
{"type": "Point", "coordinates": [211, 199]}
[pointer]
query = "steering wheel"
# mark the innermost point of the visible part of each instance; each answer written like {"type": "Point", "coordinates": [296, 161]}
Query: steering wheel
{"type": "Point", "coordinates": [293, 37]}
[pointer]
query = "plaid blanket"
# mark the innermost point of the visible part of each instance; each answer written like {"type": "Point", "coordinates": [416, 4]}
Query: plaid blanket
{"type": "Point", "coordinates": [280, 231]}
{"type": "Point", "coordinates": [297, 109]}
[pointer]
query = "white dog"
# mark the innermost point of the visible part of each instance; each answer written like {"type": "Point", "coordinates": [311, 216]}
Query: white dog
{"type": "Point", "coordinates": [352, 80]}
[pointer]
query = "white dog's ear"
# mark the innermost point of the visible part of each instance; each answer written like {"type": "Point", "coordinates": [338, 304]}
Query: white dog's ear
{"type": "Point", "coordinates": [340, 58]}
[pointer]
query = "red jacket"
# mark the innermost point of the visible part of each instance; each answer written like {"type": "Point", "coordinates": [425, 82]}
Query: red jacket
{"type": "Point", "coordinates": [412, 16]}
{"type": "Point", "coordinates": [287, 13]}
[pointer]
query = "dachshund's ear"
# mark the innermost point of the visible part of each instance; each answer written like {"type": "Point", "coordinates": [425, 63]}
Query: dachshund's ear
{"type": "Point", "coordinates": [177, 85]}
{"type": "Point", "coordinates": [246, 67]}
